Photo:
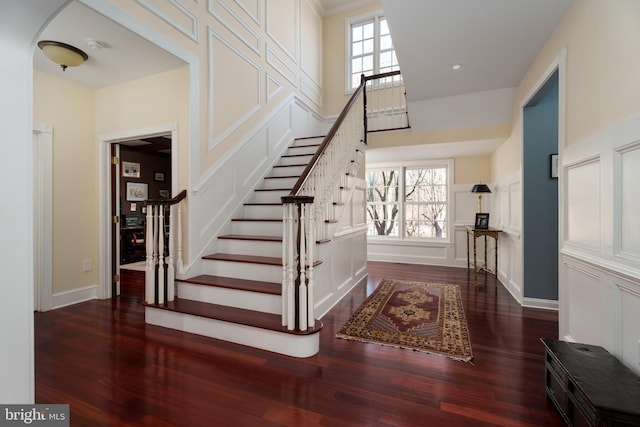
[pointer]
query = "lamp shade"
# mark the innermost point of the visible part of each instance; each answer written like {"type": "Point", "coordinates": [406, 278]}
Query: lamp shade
{"type": "Point", "coordinates": [480, 188]}
{"type": "Point", "coordinates": [62, 54]}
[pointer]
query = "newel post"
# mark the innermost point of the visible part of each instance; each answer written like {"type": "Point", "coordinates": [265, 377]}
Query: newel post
{"type": "Point", "coordinates": [298, 257]}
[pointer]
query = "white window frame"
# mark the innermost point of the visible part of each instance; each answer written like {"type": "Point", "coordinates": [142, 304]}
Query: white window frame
{"type": "Point", "coordinates": [442, 163]}
{"type": "Point", "coordinates": [375, 16]}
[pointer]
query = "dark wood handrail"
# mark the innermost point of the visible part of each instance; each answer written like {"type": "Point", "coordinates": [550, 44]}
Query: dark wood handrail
{"type": "Point", "coordinates": [168, 202]}
{"type": "Point", "coordinates": [334, 129]}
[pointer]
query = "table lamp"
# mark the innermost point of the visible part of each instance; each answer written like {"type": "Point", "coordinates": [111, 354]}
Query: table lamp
{"type": "Point", "coordinates": [480, 188]}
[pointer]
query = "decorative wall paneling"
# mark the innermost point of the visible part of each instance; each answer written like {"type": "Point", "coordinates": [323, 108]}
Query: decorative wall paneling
{"type": "Point", "coordinates": [176, 15]}
{"type": "Point", "coordinates": [600, 252]}
{"type": "Point", "coordinates": [223, 189]}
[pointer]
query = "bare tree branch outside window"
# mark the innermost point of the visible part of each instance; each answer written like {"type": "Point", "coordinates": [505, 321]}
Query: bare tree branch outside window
{"type": "Point", "coordinates": [425, 202]}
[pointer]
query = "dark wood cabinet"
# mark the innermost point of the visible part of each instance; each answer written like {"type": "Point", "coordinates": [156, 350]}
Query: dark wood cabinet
{"type": "Point", "coordinates": [589, 386]}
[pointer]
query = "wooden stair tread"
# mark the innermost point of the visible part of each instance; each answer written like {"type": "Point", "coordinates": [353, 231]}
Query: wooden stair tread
{"type": "Point", "coordinates": [240, 316]}
{"type": "Point", "coordinates": [305, 146]}
{"type": "Point", "coordinates": [251, 259]}
{"type": "Point", "coordinates": [291, 166]}
{"type": "Point", "coordinates": [238, 284]}
{"type": "Point", "coordinates": [258, 219]}
{"type": "Point", "coordinates": [272, 189]}
{"type": "Point", "coordinates": [262, 204]}
{"type": "Point", "coordinates": [280, 177]}
{"type": "Point", "coordinates": [251, 237]}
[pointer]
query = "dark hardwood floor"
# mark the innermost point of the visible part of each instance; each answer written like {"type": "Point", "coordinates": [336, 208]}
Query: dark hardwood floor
{"type": "Point", "coordinates": [113, 369]}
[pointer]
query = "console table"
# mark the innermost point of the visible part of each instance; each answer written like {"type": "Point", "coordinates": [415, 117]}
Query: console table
{"type": "Point", "coordinates": [474, 233]}
{"type": "Point", "coordinates": [589, 386]}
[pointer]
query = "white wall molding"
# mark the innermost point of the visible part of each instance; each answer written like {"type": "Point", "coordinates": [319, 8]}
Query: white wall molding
{"type": "Point", "coordinates": [600, 272]}
{"type": "Point", "coordinates": [292, 54]}
{"type": "Point", "coordinates": [544, 304]}
{"type": "Point", "coordinates": [238, 172]}
{"type": "Point", "coordinates": [191, 31]}
{"type": "Point", "coordinates": [216, 136]}
{"type": "Point", "coordinates": [75, 296]}
{"type": "Point", "coordinates": [242, 31]}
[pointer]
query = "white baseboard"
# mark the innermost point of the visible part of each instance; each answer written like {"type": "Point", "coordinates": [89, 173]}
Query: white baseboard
{"type": "Point", "coordinates": [545, 304]}
{"type": "Point", "coordinates": [75, 296]}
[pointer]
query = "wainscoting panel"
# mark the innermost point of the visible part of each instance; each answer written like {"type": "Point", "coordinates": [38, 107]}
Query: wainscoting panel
{"type": "Point", "coordinates": [223, 189]}
{"type": "Point", "coordinates": [583, 204]}
{"type": "Point", "coordinates": [600, 262]}
{"type": "Point", "coordinates": [627, 236]}
{"type": "Point", "coordinates": [233, 20]}
{"type": "Point", "coordinates": [176, 15]}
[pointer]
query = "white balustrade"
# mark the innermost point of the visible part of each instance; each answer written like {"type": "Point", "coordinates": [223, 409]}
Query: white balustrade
{"type": "Point", "coordinates": [161, 238]}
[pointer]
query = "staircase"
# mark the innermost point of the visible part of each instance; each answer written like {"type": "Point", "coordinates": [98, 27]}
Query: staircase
{"type": "Point", "coordinates": [239, 296]}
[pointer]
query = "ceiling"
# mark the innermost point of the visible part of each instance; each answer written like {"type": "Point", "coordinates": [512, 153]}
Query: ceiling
{"type": "Point", "coordinates": [124, 57]}
{"type": "Point", "coordinates": [495, 41]}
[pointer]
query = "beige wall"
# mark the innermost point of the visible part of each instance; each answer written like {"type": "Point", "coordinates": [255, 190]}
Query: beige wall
{"type": "Point", "coordinates": [79, 115]}
{"type": "Point", "coordinates": [69, 109]}
{"type": "Point", "coordinates": [602, 66]}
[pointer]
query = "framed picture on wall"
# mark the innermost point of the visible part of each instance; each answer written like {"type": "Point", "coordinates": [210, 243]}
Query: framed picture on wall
{"type": "Point", "coordinates": [137, 191]}
{"type": "Point", "coordinates": [158, 176]}
{"type": "Point", "coordinates": [482, 221]}
{"type": "Point", "coordinates": [131, 170]}
{"type": "Point", "coordinates": [164, 194]}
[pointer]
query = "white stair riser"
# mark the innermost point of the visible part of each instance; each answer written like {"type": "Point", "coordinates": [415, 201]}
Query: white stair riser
{"type": "Point", "coordinates": [277, 342]}
{"type": "Point", "coordinates": [266, 303]}
{"type": "Point", "coordinates": [287, 171]}
{"type": "Point", "coordinates": [268, 196]}
{"type": "Point", "coordinates": [278, 183]}
{"type": "Point", "coordinates": [302, 150]}
{"type": "Point", "coordinates": [243, 270]}
{"type": "Point", "coordinates": [296, 160]}
{"type": "Point", "coordinates": [262, 211]}
{"type": "Point", "coordinates": [250, 247]}
{"type": "Point", "coordinates": [257, 227]}
{"type": "Point", "coordinates": [307, 141]}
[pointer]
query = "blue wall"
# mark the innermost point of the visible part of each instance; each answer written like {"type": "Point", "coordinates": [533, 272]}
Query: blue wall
{"type": "Point", "coordinates": [540, 193]}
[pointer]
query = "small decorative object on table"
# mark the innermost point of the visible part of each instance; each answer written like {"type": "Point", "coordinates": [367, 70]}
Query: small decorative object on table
{"type": "Point", "coordinates": [482, 221]}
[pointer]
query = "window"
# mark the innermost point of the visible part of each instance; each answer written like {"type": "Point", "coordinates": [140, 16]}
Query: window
{"type": "Point", "coordinates": [409, 202]}
{"type": "Point", "coordinates": [370, 49]}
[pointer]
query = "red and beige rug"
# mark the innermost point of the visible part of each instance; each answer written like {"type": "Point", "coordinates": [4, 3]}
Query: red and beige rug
{"type": "Point", "coordinates": [412, 315]}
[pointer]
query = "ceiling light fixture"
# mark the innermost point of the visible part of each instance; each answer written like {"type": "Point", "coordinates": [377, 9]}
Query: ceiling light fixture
{"type": "Point", "coordinates": [62, 54]}
{"type": "Point", "coordinates": [456, 67]}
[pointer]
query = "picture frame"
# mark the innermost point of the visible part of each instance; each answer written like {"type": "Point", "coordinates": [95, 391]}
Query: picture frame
{"type": "Point", "coordinates": [164, 194]}
{"type": "Point", "coordinates": [482, 221]}
{"type": "Point", "coordinates": [158, 176]}
{"type": "Point", "coordinates": [137, 191]}
{"type": "Point", "coordinates": [131, 169]}
{"type": "Point", "coordinates": [553, 166]}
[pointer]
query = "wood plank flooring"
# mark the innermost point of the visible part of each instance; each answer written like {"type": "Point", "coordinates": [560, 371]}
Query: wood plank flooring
{"type": "Point", "coordinates": [113, 369]}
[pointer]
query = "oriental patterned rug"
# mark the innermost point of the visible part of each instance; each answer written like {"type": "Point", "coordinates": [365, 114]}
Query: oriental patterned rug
{"type": "Point", "coordinates": [412, 315]}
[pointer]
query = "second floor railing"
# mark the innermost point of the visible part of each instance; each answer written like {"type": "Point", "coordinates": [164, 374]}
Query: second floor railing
{"type": "Point", "coordinates": [163, 239]}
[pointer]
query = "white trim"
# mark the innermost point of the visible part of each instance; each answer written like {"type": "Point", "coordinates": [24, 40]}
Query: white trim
{"type": "Point", "coordinates": [544, 304]}
{"type": "Point", "coordinates": [43, 215]}
{"type": "Point", "coordinates": [74, 296]}
{"type": "Point", "coordinates": [104, 187]}
{"type": "Point", "coordinates": [559, 64]}
{"type": "Point", "coordinates": [191, 33]}
{"type": "Point", "coordinates": [296, 25]}
{"type": "Point", "coordinates": [224, 133]}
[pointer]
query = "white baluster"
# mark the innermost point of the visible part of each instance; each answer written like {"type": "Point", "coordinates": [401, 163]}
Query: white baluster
{"type": "Point", "coordinates": [179, 261]}
{"type": "Point", "coordinates": [149, 278]}
{"type": "Point", "coordinates": [171, 291]}
{"type": "Point", "coordinates": [160, 237]}
{"type": "Point", "coordinates": [285, 245]}
{"type": "Point", "coordinates": [290, 269]}
{"type": "Point", "coordinates": [311, 257]}
{"type": "Point", "coordinates": [302, 290]}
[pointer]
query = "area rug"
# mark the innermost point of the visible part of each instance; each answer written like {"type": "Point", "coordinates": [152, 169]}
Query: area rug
{"type": "Point", "coordinates": [412, 315]}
